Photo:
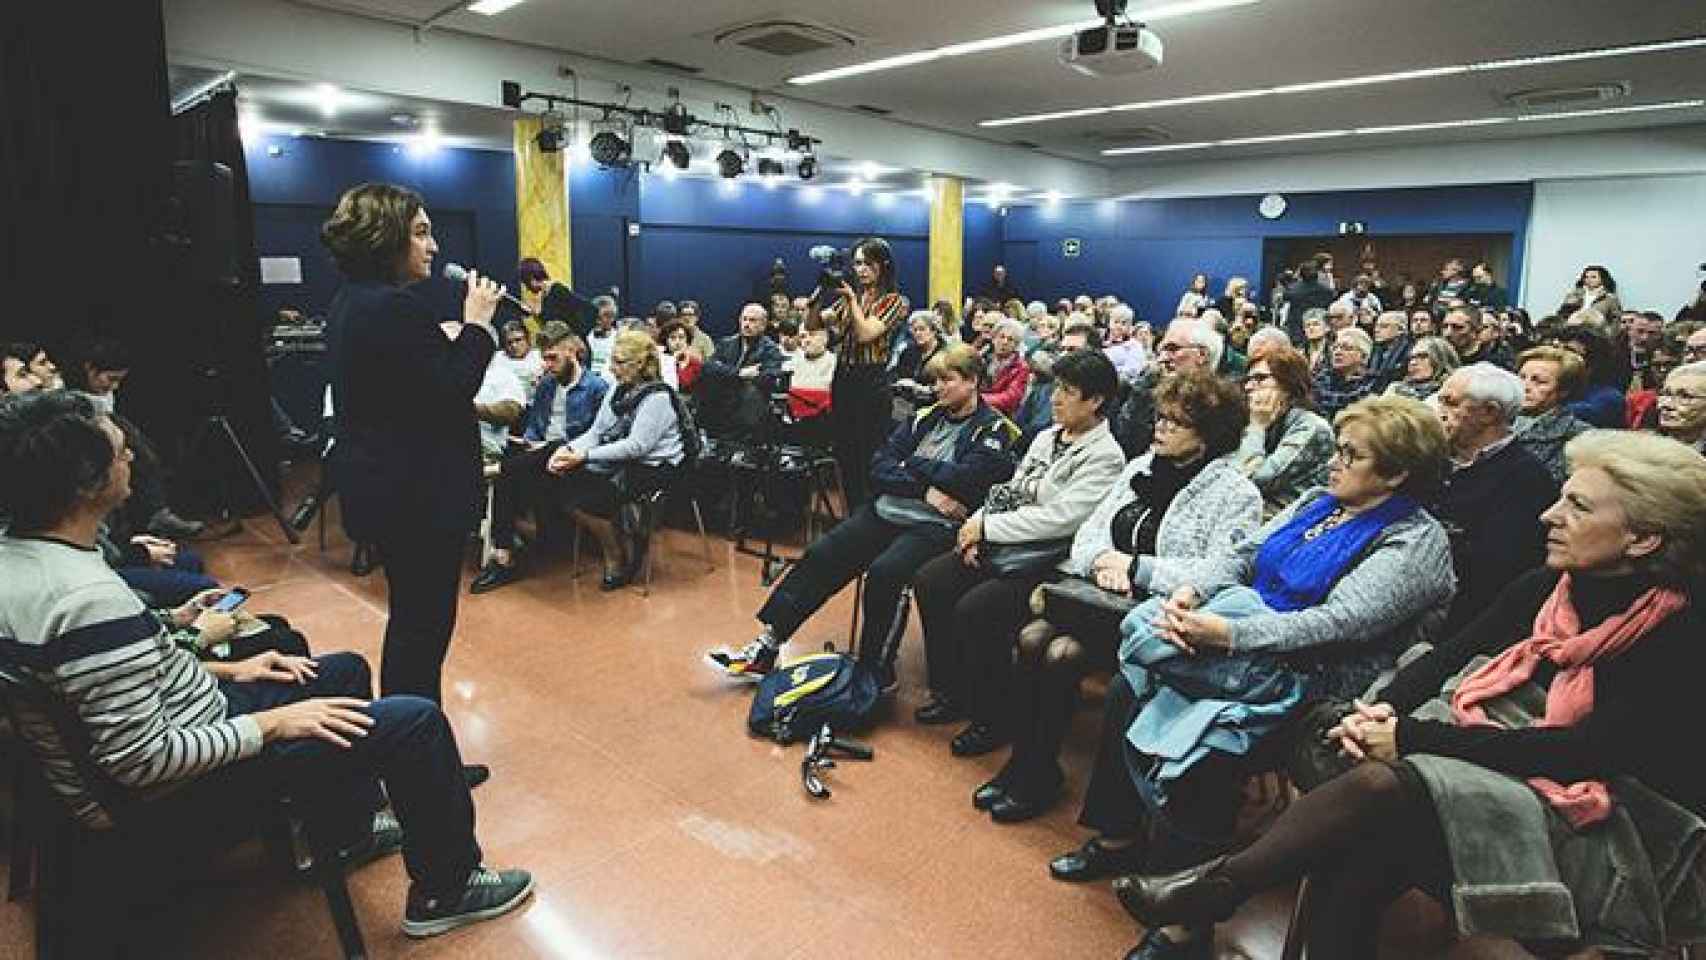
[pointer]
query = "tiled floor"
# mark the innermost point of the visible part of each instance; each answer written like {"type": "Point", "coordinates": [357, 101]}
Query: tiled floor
{"type": "Point", "coordinates": [624, 778]}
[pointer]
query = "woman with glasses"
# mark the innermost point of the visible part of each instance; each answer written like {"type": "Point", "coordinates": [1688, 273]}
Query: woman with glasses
{"type": "Point", "coordinates": [1180, 503]}
{"type": "Point", "coordinates": [1287, 444]}
{"type": "Point", "coordinates": [520, 357]}
{"type": "Point", "coordinates": [863, 320]}
{"type": "Point", "coordinates": [1431, 361]}
{"type": "Point", "coordinates": [1316, 604]}
{"type": "Point", "coordinates": [1682, 405]}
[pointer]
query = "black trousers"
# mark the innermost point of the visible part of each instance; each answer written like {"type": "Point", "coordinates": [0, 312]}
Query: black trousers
{"type": "Point", "coordinates": [971, 621]}
{"type": "Point", "coordinates": [888, 554]}
{"type": "Point", "coordinates": [859, 421]}
{"type": "Point", "coordinates": [424, 571]}
{"type": "Point", "coordinates": [521, 483]}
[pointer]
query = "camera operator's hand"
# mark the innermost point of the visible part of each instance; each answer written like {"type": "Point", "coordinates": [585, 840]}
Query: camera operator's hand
{"type": "Point", "coordinates": [749, 372]}
{"type": "Point", "coordinates": [945, 505]}
{"type": "Point", "coordinates": [481, 300]}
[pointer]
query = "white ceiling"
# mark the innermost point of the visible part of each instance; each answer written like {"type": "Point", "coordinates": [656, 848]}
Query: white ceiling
{"type": "Point", "coordinates": [1270, 43]}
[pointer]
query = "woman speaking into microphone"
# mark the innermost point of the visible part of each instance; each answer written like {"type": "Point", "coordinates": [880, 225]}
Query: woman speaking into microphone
{"type": "Point", "coordinates": [407, 460]}
{"type": "Point", "coordinates": [864, 321]}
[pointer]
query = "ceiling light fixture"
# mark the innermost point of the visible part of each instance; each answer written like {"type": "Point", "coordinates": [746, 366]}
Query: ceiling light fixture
{"type": "Point", "coordinates": [730, 164]}
{"type": "Point", "coordinates": [492, 8]}
{"type": "Point", "coordinates": [1403, 128]}
{"type": "Point", "coordinates": [808, 167]}
{"type": "Point", "coordinates": [610, 149]}
{"type": "Point", "coordinates": [770, 169]}
{"type": "Point", "coordinates": [677, 154]}
{"type": "Point", "coordinates": [1149, 15]}
{"type": "Point", "coordinates": [330, 98]}
{"type": "Point", "coordinates": [1359, 81]}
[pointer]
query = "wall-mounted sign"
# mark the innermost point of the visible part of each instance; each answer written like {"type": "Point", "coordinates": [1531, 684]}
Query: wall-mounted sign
{"type": "Point", "coordinates": [1071, 247]}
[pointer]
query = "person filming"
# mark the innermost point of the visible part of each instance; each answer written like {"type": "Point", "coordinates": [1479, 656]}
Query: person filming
{"type": "Point", "coordinates": [867, 308]}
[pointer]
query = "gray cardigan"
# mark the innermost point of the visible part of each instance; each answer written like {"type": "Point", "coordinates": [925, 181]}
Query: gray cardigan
{"type": "Point", "coordinates": [1405, 573]}
{"type": "Point", "coordinates": [1545, 436]}
{"type": "Point", "coordinates": [1297, 462]}
{"type": "Point", "coordinates": [1058, 492]}
{"type": "Point", "coordinates": [1218, 508]}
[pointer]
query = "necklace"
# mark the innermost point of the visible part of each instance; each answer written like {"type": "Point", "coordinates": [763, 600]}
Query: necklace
{"type": "Point", "coordinates": [1332, 521]}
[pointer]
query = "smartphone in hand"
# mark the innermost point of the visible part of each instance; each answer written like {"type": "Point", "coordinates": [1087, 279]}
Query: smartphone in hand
{"type": "Point", "coordinates": [234, 598]}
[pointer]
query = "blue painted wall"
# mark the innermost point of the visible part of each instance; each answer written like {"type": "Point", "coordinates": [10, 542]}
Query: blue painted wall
{"type": "Point", "coordinates": [1146, 250]}
{"type": "Point", "coordinates": [470, 194]}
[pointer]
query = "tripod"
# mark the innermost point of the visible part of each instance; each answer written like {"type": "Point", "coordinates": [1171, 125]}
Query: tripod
{"type": "Point", "coordinates": [212, 428]}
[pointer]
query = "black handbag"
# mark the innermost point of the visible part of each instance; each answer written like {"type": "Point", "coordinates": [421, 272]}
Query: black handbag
{"type": "Point", "coordinates": [1313, 760]}
{"type": "Point", "coordinates": [1078, 607]}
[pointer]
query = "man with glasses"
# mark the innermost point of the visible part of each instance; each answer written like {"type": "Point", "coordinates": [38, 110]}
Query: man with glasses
{"type": "Point", "coordinates": [1188, 344]}
{"type": "Point", "coordinates": [1391, 349]}
{"type": "Point", "coordinates": [1682, 402]}
{"type": "Point", "coordinates": [563, 407]}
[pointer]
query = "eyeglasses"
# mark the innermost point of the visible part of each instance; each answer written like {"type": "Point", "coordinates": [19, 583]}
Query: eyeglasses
{"type": "Point", "coordinates": [1258, 377]}
{"type": "Point", "coordinates": [1172, 348]}
{"type": "Point", "coordinates": [1680, 396]}
{"type": "Point", "coordinates": [1694, 353]}
{"type": "Point", "coordinates": [1165, 423]}
{"type": "Point", "coordinates": [1348, 455]}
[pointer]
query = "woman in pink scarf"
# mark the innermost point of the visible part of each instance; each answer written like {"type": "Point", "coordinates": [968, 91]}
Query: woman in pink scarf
{"type": "Point", "coordinates": [1584, 670]}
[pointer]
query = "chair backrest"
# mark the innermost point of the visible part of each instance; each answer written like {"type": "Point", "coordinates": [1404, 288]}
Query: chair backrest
{"type": "Point", "coordinates": [31, 705]}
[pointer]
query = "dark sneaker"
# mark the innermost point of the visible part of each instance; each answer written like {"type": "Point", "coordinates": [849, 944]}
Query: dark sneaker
{"type": "Point", "coordinates": [495, 575]}
{"type": "Point", "coordinates": [385, 839]}
{"type": "Point", "coordinates": [753, 663]}
{"type": "Point", "coordinates": [487, 894]}
{"type": "Point", "coordinates": [167, 524]}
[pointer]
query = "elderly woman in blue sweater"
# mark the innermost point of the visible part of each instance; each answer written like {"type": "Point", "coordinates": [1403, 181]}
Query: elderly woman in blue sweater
{"type": "Point", "coordinates": [1181, 503]}
{"type": "Point", "coordinates": [1317, 603]}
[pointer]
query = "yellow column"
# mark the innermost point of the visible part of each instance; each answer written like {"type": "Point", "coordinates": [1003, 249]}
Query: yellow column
{"type": "Point", "coordinates": [541, 204]}
{"type": "Point", "coordinates": [947, 240]}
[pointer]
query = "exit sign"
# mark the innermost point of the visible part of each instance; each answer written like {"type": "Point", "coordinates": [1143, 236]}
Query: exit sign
{"type": "Point", "coordinates": [1071, 247]}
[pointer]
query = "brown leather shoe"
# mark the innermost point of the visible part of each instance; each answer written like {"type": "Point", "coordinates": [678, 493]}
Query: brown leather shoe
{"type": "Point", "coordinates": [1204, 894]}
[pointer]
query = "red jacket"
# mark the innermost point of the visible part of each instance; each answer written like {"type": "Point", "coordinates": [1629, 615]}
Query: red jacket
{"type": "Point", "coordinates": [1011, 380]}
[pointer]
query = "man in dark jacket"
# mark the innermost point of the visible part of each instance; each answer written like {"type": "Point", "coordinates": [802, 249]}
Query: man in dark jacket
{"type": "Point", "coordinates": [1496, 492]}
{"type": "Point", "coordinates": [1308, 293]}
{"type": "Point", "coordinates": [1000, 289]}
{"type": "Point", "coordinates": [935, 469]}
{"type": "Point", "coordinates": [730, 388]}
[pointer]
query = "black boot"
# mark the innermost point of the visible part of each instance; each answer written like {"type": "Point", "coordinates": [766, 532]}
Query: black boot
{"type": "Point", "coordinates": [1201, 895]}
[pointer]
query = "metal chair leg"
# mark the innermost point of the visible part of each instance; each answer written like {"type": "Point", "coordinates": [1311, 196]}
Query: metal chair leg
{"type": "Point", "coordinates": [1298, 929]}
{"type": "Point", "coordinates": [333, 885]}
{"type": "Point", "coordinates": [704, 538]}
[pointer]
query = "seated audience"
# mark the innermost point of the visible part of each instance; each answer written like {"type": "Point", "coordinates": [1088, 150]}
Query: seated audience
{"type": "Point", "coordinates": [980, 588]}
{"type": "Point", "coordinates": [1187, 345]}
{"type": "Point", "coordinates": [814, 368]}
{"type": "Point", "coordinates": [1128, 355]}
{"type": "Point", "coordinates": [1423, 324]}
{"type": "Point", "coordinates": [1288, 445]}
{"type": "Point", "coordinates": [1550, 376]}
{"type": "Point", "coordinates": [1008, 372]}
{"type": "Point", "coordinates": [1177, 505]}
{"type": "Point", "coordinates": [1529, 733]}
{"type": "Point", "coordinates": [1263, 340]}
{"type": "Point", "coordinates": [1465, 328]}
{"type": "Point", "coordinates": [1600, 401]}
{"type": "Point", "coordinates": [1432, 359]}
{"type": "Point", "coordinates": [1317, 341]}
{"type": "Point", "coordinates": [1483, 290]}
{"type": "Point", "coordinates": [1682, 405]}
{"type": "Point", "coordinates": [1494, 491]}
{"type": "Point", "coordinates": [1391, 349]}
{"type": "Point", "coordinates": [498, 405]}
{"type": "Point", "coordinates": [911, 385]}
{"type": "Point", "coordinates": [1317, 603]}
{"type": "Point", "coordinates": [935, 469]}
{"type": "Point", "coordinates": [1235, 298]}
{"type": "Point", "coordinates": [1360, 300]}
{"type": "Point", "coordinates": [18, 375]}
{"type": "Point", "coordinates": [155, 717]}
{"type": "Point", "coordinates": [701, 342]}
{"type": "Point", "coordinates": [729, 393]}
{"type": "Point", "coordinates": [520, 356]}
{"type": "Point", "coordinates": [564, 405]}
{"type": "Point", "coordinates": [1304, 296]}
{"type": "Point", "coordinates": [1346, 379]}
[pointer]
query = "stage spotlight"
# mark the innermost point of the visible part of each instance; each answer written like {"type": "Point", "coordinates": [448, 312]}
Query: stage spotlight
{"type": "Point", "coordinates": [770, 168]}
{"type": "Point", "coordinates": [808, 167]}
{"type": "Point", "coordinates": [609, 149]}
{"type": "Point", "coordinates": [676, 153]}
{"type": "Point", "coordinates": [730, 164]}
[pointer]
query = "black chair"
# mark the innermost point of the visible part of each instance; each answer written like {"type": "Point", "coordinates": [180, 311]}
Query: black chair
{"type": "Point", "coordinates": [641, 512]}
{"type": "Point", "coordinates": [86, 875]}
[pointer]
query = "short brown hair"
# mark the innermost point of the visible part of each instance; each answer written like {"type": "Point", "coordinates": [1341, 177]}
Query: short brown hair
{"type": "Point", "coordinates": [1572, 371]}
{"type": "Point", "coordinates": [1214, 408]}
{"type": "Point", "coordinates": [1404, 436]}
{"type": "Point", "coordinates": [1290, 370]}
{"type": "Point", "coordinates": [961, 358]}
{"type": "Point", "coordinates": [368, 233]}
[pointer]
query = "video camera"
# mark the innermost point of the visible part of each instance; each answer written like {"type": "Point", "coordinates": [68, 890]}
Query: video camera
{"type": "Point", "coordinates": [834, 266]}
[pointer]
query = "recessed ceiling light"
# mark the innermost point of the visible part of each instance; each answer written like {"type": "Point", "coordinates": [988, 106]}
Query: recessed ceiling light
{"type": "Point", "coordinates": [330, 98]}
{"type": "Point", "coordinates": [1402, 128]}
{"type": "Point", "coordinates": [1054, 196]}
{"type": "Point", "coordinates": [492, 8]}
{"type": "Point", "coordinates": [1358, 81]}
{"type": "Point", "coordinates": [1148, 15]}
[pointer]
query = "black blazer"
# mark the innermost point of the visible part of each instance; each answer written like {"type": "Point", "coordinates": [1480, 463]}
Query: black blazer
{"type": "Point", "coordinates": [408, 451]}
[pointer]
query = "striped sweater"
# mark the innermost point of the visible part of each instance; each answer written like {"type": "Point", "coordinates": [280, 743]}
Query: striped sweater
{"type": "Point", "coordinates": [153, 715]}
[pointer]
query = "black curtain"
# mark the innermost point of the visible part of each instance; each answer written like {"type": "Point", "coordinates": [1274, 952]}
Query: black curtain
{"type": "Point", "coordinates": [94, 240]}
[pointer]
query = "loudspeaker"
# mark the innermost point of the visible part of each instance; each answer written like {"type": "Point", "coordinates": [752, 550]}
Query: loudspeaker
{"type": "Point", "coordinates": [206, 201]}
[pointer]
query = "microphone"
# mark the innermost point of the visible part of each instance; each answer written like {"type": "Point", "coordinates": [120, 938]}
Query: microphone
{"type": "Point", "coordinates": [456, 273]}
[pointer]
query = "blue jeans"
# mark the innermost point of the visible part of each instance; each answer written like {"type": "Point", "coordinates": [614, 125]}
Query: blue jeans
{"type": "Point", "coordinates": [410, 748]}
{"type": "Point", "coordinates": [173, 585]}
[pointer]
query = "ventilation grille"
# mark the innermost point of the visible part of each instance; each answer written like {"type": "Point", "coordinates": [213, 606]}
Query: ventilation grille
{"type": "Point", "coordinates": [663, 64]}
{"type": "Point", "coordinates": [1130, 136]}
{"type": "Point", "coordinates": [1568, 96]}
{"type": "Point", "coordinates": [873, 110]}
{"type": "Point", "coordinates": [784, 38]}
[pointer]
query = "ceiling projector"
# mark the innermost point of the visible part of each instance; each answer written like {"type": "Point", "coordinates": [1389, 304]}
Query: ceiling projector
{"type": "Point", "coordinates": [1112, 50]}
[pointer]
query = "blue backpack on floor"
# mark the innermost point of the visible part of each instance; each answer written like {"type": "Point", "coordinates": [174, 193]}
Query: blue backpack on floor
{"type": "Point", "coordinates": [800, 696]}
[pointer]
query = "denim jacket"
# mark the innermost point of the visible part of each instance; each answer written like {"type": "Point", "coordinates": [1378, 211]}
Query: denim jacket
{"type": "Point", "coordinates": [584, 398]}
